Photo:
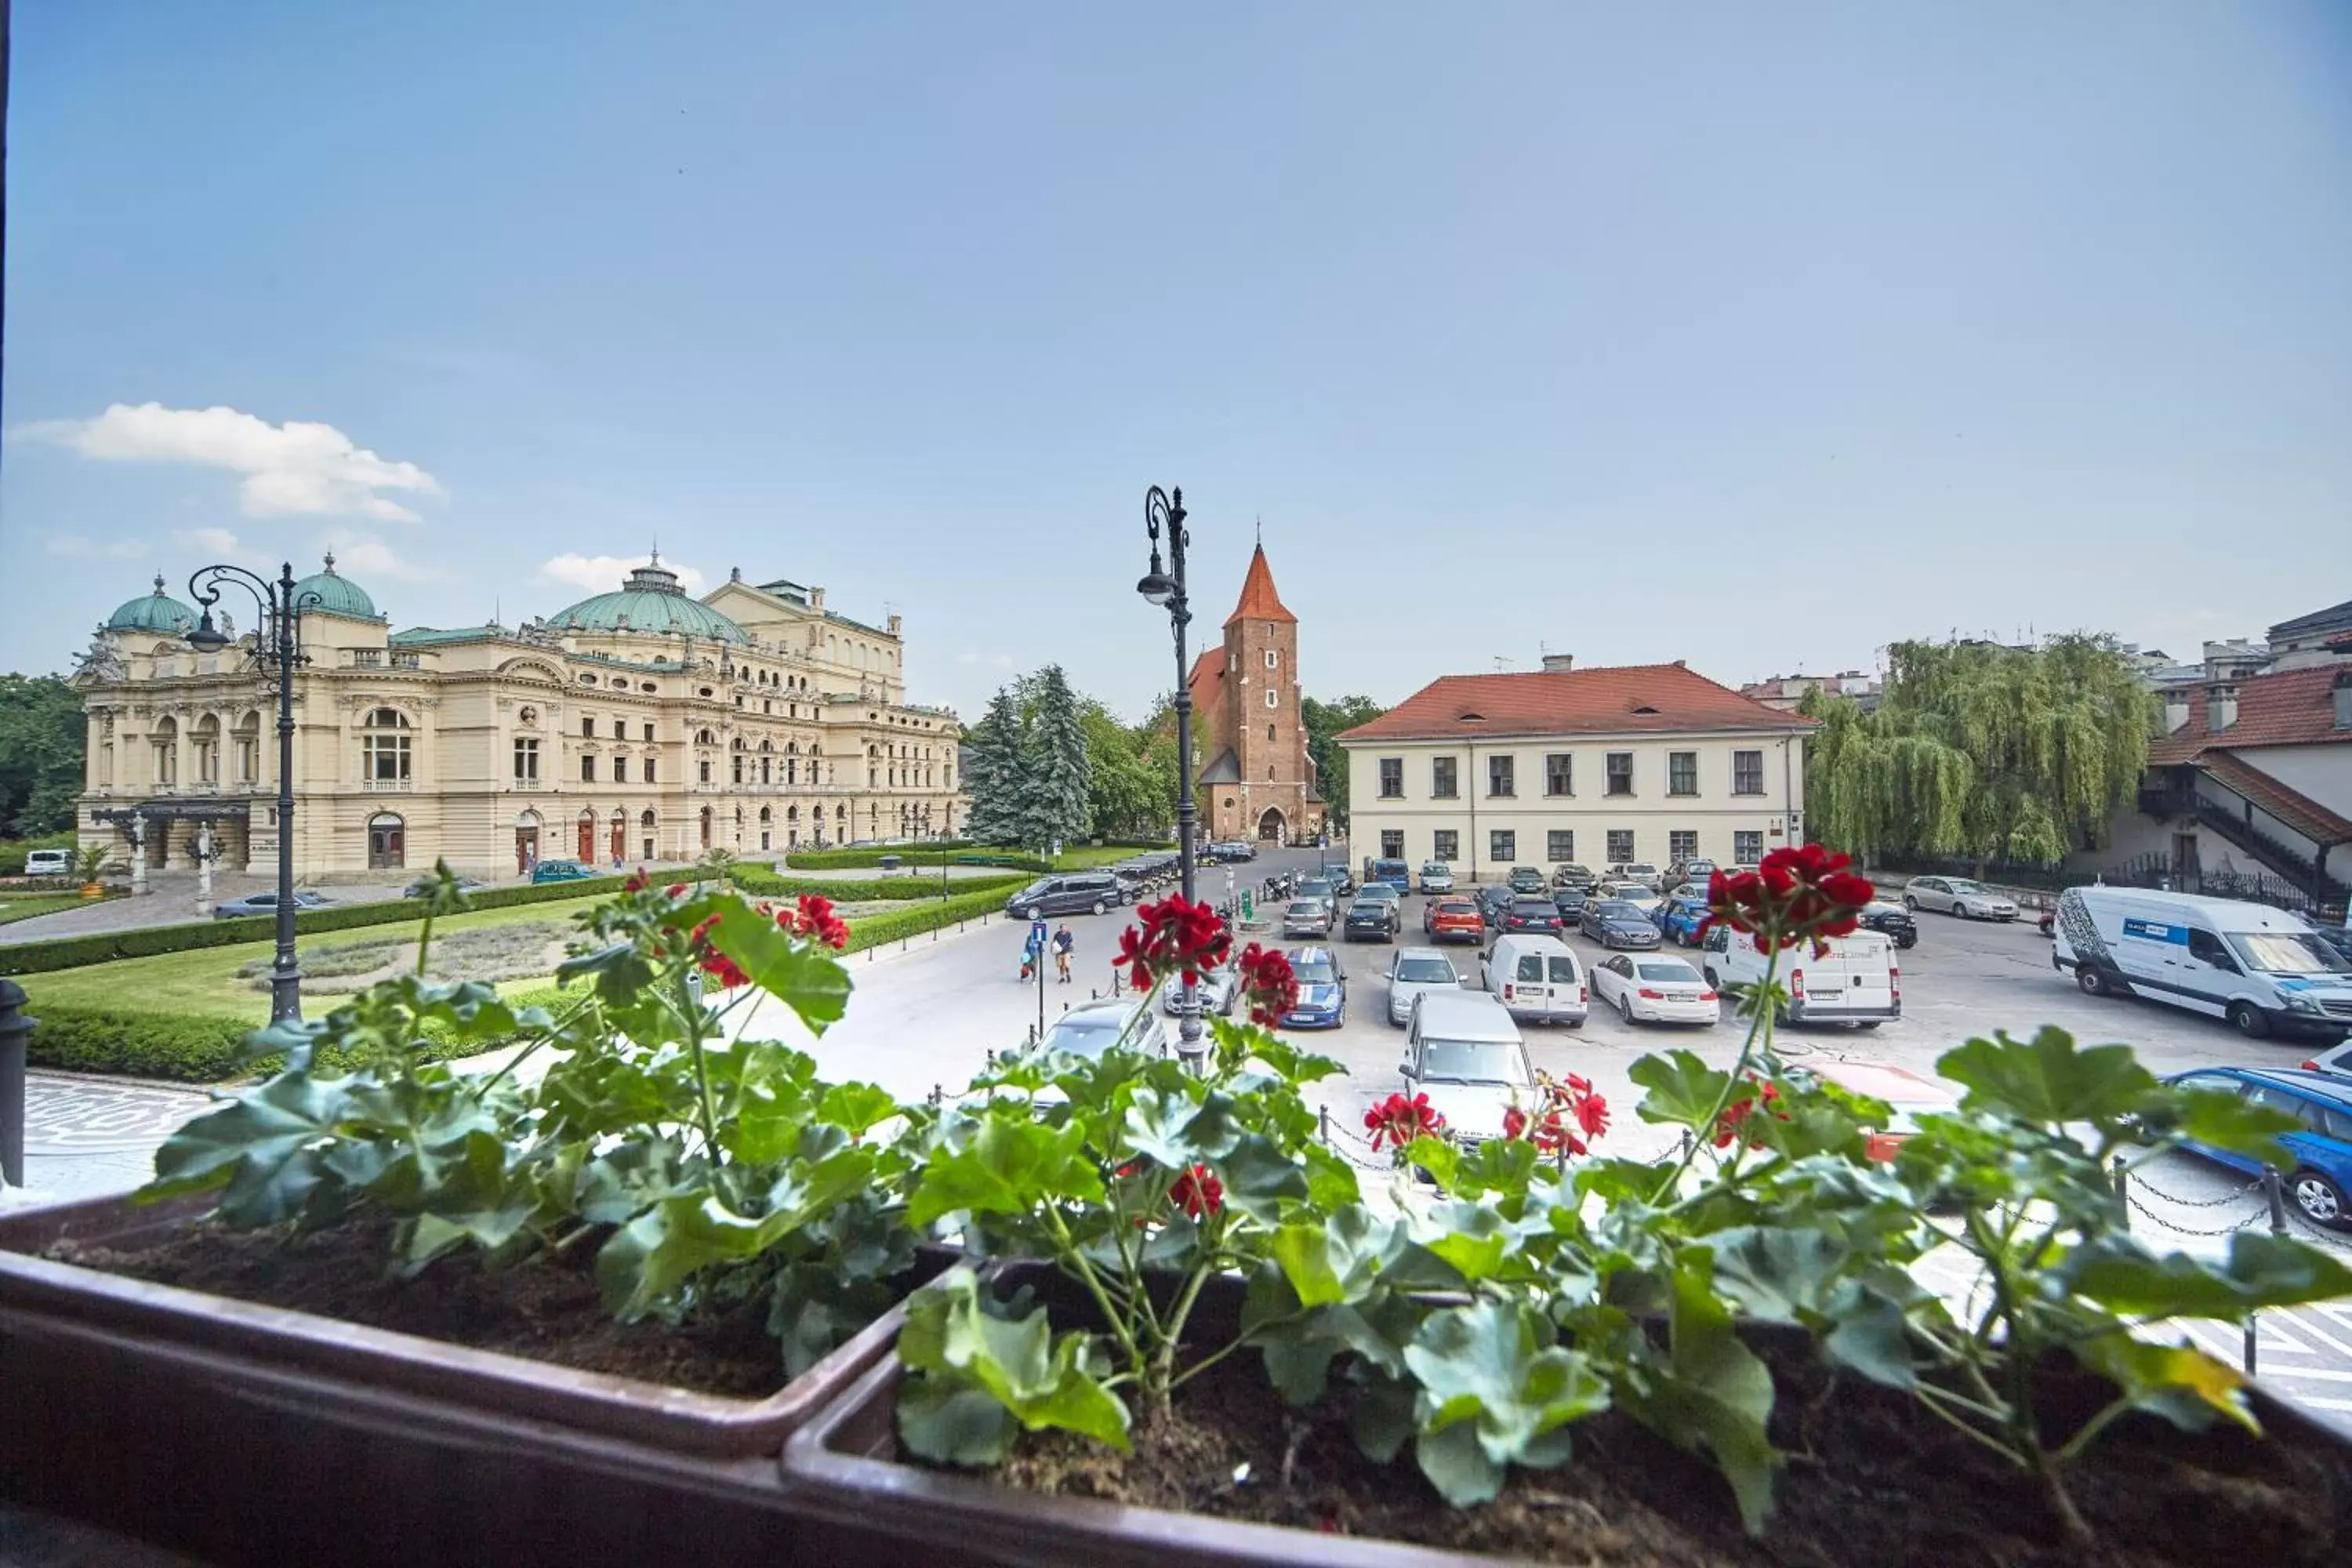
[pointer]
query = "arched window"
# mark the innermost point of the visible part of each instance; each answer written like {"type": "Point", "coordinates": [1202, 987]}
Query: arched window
{"type": "Point", "coordinates": [206, 735]}
{"type": "Point", "coordinates": [166, 739]}
{"type": "Point", "coordinates": [1272, 701]}
{"type": "Point", "coordinates": [383, 748]}
{"type": "Point", "coordinates": [245, 750]}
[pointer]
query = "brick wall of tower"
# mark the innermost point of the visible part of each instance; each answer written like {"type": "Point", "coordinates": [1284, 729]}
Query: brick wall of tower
{"type": "Point", "coordinates": [1273, 770]}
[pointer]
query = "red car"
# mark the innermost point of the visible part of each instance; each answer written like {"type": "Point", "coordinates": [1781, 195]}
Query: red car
{"type": "Point", "coordinates": [1453, 918]}
{"type": "Point", "coordinates": [1905, 1092]}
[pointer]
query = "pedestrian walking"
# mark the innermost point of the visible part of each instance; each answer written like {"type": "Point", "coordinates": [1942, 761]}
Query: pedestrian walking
{"type": "Point", "coordinates": [1064, 945]}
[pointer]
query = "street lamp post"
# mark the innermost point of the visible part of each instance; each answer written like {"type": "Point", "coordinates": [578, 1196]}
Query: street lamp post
{"type": "Point", "coordinates": [1167, 587]}
{"type": "Point", "coordinates": [274, 646]}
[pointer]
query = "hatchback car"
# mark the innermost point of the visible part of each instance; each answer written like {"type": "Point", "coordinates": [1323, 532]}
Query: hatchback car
{"type": "Point", "coordinates": [1641, 895]}
{"type": "Point", "coordinates": [265, 904]}
{"type": "Point", "coordinates": [560, 871]}
{"type": "Point", "coordinates": [1697, 869]}
{"type": "Point", "coordinates": [1091, 1028]}
{"type": "Point", "coordinates": [1892, 920]}
{"type": "Point", "coordinates": [1412, 971]}
{"type": "Point", "coordinates": [2316, 1157]}
{"type": "Point", "coordinates": [1640, 871]}
{"type": "Point", "coordinates": [1452, 919]}
{"type": "Point", "coordinates": [1371, 919]}
{"type": "Point", "coordinates": [1678, 921]}
{"type": "Point", "coordinates": [1319, 888]}
{"type": "Point", "coordinates": [1493, 901]}
{"type": "Point", "coordinates": [1307, 917]}
{"type": "Point", "coordinates": [1570, 902]}
{"type": "Point", "coordinates": [1436, 877]}
{"type": "Point", "coordinates": [1322, 989]}
{"type": "Point", "coordinates": [1215, 991]}
{"type": "Point", "coordinates": [1526, 880]}
{"type": "Point", "coordinates": [1957, 895]}
{"type": "Point", "coordinates": [1612, 922]}
{"type": "Point", "coordinates": [1654, 991]}
{"type": "Point", "coordinates": [1539, 915]}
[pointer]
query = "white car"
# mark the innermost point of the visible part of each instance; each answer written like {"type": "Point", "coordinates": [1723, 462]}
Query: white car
{"type": "Point", "coordinates": [1957, 895]}
{"type": "Point", "coordinates": [2335, 1061]}
{"type": "Point", "coordinates": [1216, 990]}
{"type": "Point", "coordinates": [1091, 1028]}
{"type": "Point", "coordinates": [1654, 990]}
{"type": "Point", "coordinates": [1412, 971]}
{"type": "Point", "coordinates": [1640, 871]}
{"type": "Point", "coordinates": [1465, 1054]}
{"type": "Point", "coordinates": [1639, 894]}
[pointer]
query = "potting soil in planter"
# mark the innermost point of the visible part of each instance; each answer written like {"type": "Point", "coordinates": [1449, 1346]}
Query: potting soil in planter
{"type": "Point", "coordinates": [544, 1309]}
{"type": "Point", "coordinates": [1872, 1481]}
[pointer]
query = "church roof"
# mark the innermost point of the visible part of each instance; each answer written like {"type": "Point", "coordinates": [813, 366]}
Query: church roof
{"type": "Point", "coordinates": [1224, 770]}
{"type": "Point", "coordinates": [1207, 671]}
{"type": "Point", "coordinates": [1259, 601]}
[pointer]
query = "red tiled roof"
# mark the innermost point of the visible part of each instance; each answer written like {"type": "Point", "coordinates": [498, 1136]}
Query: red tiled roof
{"type": "Point", "coordinates": [1259, 602]}
{"type": "Point", "coordinates": [2290, 708]}
{"type": "Point", "coordinates": [1207, 671]}
{"type": "Point", "coordinates": [2289, 804]}
{"type": "Point", "coordinates": [1634, 699]}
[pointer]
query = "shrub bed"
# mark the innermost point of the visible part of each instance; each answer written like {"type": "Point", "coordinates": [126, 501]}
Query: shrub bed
{"type": "Point", "coordinates": [874, 931]}
{"type": "Point", "coordinates": [926, 855]}
{"type": "Point", "coordinates": [875, 890]}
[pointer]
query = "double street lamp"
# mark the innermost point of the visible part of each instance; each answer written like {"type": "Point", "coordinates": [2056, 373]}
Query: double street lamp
{"type": "Point", "coordinates": [274, 646]}
{"type": "Point", "coordinates": [1165, 585]}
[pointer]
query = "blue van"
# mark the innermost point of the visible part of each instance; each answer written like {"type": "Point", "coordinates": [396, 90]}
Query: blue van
{"type": "Point", "coordinates": [1395, 873]}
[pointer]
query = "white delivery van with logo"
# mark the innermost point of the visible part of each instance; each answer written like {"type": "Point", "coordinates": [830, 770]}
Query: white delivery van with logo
{"type": "Point", "coordinates": [1855, 981]}
{"type": "Point", "coordinates": [1535, 977]}
{"type": "Point", "coordinates": [2261, 968]}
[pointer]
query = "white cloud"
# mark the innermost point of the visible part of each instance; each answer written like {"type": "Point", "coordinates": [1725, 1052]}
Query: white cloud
{"type": "Point", "coordinates": [213, 540]}
{"type": "Point", "coordinates": [297, 469]}
{"type": "Point", "coordinates": [604, 574]}
{"type": "Point", "coordinates": [365, 558]}
{"type": "Point", "coordinates": [77, 547]}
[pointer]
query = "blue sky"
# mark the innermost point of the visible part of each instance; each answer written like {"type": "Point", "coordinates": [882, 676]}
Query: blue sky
{"type": "Point", "coordinates": [1756, 336]}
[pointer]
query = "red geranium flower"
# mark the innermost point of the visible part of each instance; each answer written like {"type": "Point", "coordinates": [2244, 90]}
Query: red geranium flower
{"type": "Point", "coordinates": [1727, 1125]}
{"type": "Point", "coordinates": [1174, 937]}
{"type": "Point", "coordinates": [1802, 893]}
{"type": "Point", "coordinates": [723, 970]}
{"type": "Point", "coordinates": [1267, 984]}
{"type": "Point", "coordinates": [638, 883]}
{"type": "Point", "coordinates": [1400, 1121]}
{"type": "Point", "coordinates": [676, 889]}
{"type": "Point", "coordinates": [814, 916]}
{"type": "Point", "coordinates": [1199, 1191]}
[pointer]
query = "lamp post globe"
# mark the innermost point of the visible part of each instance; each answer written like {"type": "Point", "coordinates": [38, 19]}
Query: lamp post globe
{"type": "Point", "coordinates": [1164, 510]}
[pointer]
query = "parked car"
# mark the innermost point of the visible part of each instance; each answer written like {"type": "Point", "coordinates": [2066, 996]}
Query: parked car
{"type": "Point", "coordinates": [1444, 920]}
{"type": "Point", "coordinates": [2335, 1060]}
{"type": "Point", "coordinates": [1322, 989]}
{"type": "Point", "coordinates": [1892, 919]}
{"type": "Point", "coordinates": [1570, 902]}
{"type": "Point", "coordinates": [561, 871]}
{"type": "Point", "coordinates": [1695, 869]}
{"type": "Point", "coordinates": [1853, 980]}
{"type": "Point", "coordinates": [1957, 895]}
{"type": "Point", "coordinates": [1307, 917]}
{"type": "Point", "coordinates": [2338, 937]}
{"type": "Point", "coordinates": [1396, 874]}
{"type": "Point", "coordinates": [1413, 971]}
{"type": "Point", "coordinates": [1526, 880]}
{"type": "Point", "coordinates": [1685, 890]}
{"type": "Point", "coordinates": [2261, 968]}
{"type": "Point", "coordinates": [1640, 871]}
{"type": "Point", "coordinates": [48, 862]}
{"type": "Point", "coordinates": [1612, 922]}
{"type": "Point", "coordinates": [1537, 977]}
{"type": "Point", "coordinates": [1678, 921]}
{"type": "Point", "coordinates": [1072, 893]}
{"type": "Point", "coordinates": [1641, 895]}
{"type": "Point", "coordinates": [1535, 914]}
{"type": "Point", "coordinates": [2317, 1158]}
{"type": "Point", "coordinates": [1492, 902]}
{"type": "Point", "coordinates": [1436, 877]}
{"type": "Point", "coordinates": [265, 904]}
{"type": "Point", "coordinates": [464, 885]}
{"type": "Point", "coordinates": [1342, 881]}
{"type": "Point", "coordinates": [1654, 990]}
{"type": "Point", "coordinates": [1091, 1028]}
{"type": "Point", "coordinates": [1215, 991]}
{"type": "Point", "coordinates": [1321, 888]}
{"type": "Point", "coordinates": [1572, 875]}
{"type": "Point", "coordinates": [1465, 1054]}
{"type": "Point", "coordinates": [1371, 919]}
{"type": "Point", "coordinates": [1905, 1093]}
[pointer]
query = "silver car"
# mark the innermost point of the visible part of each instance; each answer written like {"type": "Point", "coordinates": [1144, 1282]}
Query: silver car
{"type": "Point", "coordinates": [1436, 877]}
{"type": "Point", "coordinates": [1215, 991]}
{"type": "Point", "coordinates": [1090, 1028]}
{"type": "Point", "coordinates": [1412, 971]}
{"type": "Point", "coordinates": [1957, 895]}
{"type": "Point", "coordinates": [1307, 917]}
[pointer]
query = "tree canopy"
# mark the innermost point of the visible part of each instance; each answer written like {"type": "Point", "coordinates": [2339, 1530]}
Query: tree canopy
{"type": "Point", "coordinates": [1982, 750]}
{"type": "Point", "coordinates": [42, 734]}
{"type": "Point", "coordinates": [1325, 722]}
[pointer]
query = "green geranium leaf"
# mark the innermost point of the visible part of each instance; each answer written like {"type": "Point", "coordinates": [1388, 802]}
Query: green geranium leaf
{"type": "Point", "coordinates": [951, 1419]}
{"type": "Point", "coordinates": [2179, 1383]}
{"type": "Point", "coordinates": [1683, 1089]}
{"type": "Point", "coordinates": [1010, 1166]}
{"type": "Point", "coordinates": [1438, 1156]}
{"type": "Point", "coordinates": [2260, 1270]}
{"type": "Point", "coordinates": [1306, 1262]}
{"type": "Point", "coordinates": [2220, 1118]}
{"type": "Point", "coordinates": [1331, 1181]}
{"type": "Point", "coordinates": [856, 1108]}
{"type": "Point", "coordinates": [1042, 1381]}
{"type": "Point", "coordinates": [1155, 1127]}
{"type": "Point", "coordinates": [1777, 1274]}
{"type": "Point", "coordinates": [2047, 1079]}
{"type": "Point", "coordinates": [1495, 1390]}
{"type": "Point", "coordinates": [1711, 1395]}
{"type": "Point", "coordinates": [260, 1147]}
{"type": "Point", "coordinates": [1259, 1178]}
{"type": "Point", "coordinates": [1473, 1241]}
{"type": "Point", "coordinates": [806, 978]}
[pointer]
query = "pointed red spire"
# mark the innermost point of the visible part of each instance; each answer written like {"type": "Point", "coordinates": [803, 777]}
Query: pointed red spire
{"type": "Point", "coordinates": [1259, 602]}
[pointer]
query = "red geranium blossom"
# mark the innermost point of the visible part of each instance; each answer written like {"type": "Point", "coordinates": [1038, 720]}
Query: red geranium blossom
{"type": "Point", "coordinates": [721, 969]}
{"type": "Point", "coordinates": [1174, 937]}
{"type": "Point", "coordinates": [1198, 1191]}
{"type": "Point", "coordinates": [1803, 893]}
{"type": "Point", "coordinates": [1267, 984]}
{"type": "Point", "coordinates": [814, 916]}
{"type": "Point", "coordinates": [676, 889]}
{"type": "Point", "coordinates": [1560, 1099]}
{"type": "Point", "coordinates": [1726, 1126]}
{"type": "Point", "coordinates": [638, 883]}
{"type": "Point", "coordinates": [1400, 1121]}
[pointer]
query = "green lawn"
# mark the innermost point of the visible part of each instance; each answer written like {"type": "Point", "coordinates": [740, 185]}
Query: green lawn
{"type": "Point", "coordinates": [24, 907]}
{"type": "Point", "coordinates": [1088, 856]}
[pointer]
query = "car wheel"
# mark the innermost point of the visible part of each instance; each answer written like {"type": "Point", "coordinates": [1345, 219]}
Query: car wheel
{"type": "Point", "coordinates": [1100, 906]}
{"type": "Point", "coordinates": [1712, 983]}
{"type": "Point", "coordinates": [2251, 1020]}
{"type": "Point", "coordinates": [1911, 903]}
{"type": "Point", "coordinates": [2093, 982]}
{"type": "Point", "coordinates": [2321, 1200]}
{"type": "Point", "coordinates": [1625, 1008]}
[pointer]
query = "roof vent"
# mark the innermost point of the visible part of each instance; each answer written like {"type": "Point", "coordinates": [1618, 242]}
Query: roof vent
{"type": "Point", "coordinates": [2176, 710]}
{"type": "Point", "coordinates": [1471, 718]}
{"type": "Point", "coordinates": [1645, 708]}
{"type": "Point", "coordinates": [2221, 707]}
{"type": "Point", "coordinates": [1558, 662]}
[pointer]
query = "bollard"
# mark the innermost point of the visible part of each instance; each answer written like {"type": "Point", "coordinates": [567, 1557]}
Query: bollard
{"type": "Point", "coordinates": [2275, 1190]}
{"type": "Point", "coordinates": [1323, 1124]}
{"type": "Point", "coordinates": [2123, 1189]}
{"type": "Point", "coordinates": [16, 1029]}
{"type": "Point", "coordinates": [1687, 1144]}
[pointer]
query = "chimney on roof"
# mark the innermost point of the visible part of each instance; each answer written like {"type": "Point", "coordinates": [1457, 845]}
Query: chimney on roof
{"type": "Point", "coordinates": [2343, 699]}
{"type": "Point", "coordinates": [894, 626]}
{"type": "Point", "coordinates": [2221, 707]}
{"type": "Point", "coordinates": [1559, 661]}
{"type": "Point", "coordinates": [816, 598]}
{"type": "Point", "coordinates": [2176, 708]}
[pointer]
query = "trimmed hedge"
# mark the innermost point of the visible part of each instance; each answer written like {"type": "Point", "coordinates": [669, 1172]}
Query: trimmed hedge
{"type": "Point", "coordinates": [879, 889]}
{"type": "Point", "coordinates": [874, 931]}
{"type": "Point", "coordinates": [923, 854]}
{"type": "Point", "coordinates": [147, 942]}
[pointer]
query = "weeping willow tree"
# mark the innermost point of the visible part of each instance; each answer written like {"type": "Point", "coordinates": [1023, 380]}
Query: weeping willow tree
{"type": "Point", "coordinates": [1982, 751]}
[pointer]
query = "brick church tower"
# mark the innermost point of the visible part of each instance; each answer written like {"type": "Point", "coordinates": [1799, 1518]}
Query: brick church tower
{"type": "Point", "coordinates": [1258, 782]}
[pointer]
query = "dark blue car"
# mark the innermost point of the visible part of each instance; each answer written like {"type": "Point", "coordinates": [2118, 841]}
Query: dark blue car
{"type": "Point", "coordinates": [1322, 989]}
{"type": "Point", "coordinates": [2316, 1160]}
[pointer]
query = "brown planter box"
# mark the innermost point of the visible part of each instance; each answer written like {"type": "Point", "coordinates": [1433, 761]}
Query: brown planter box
{"type": "Point", "coordinates": [252, 1434]}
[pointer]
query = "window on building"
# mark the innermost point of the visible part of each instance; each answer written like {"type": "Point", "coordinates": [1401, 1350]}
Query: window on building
{"type": "Point", "coordinates": [526, 759]}
{"type": "Point", "coordinates": [587, 727]}
{"type": "Point", "coordinates": [1273, 659]}
{"type": "Point", "coordinates": [1748, 848]}
{"type": "Point", "coordinates": [1559, 844]}
{"type": "Point", "coordinates": [587, 770]}
{"type": "Point", "coordinates": [767, 773]}
{"type": "Point", "coordinates": [703, 770]}
{"type": "Point", "coordinates": [649, 731]}
{"type": "Point", "coordinates": [1502, 846]}
{"type": "Point", "coordinates": [1392, 843]}
{"type": "Point", "coordinates": [1621, 845]}
{"type": "Point", "coordinates": [1446, 845]}
{"type": "Point", "coordinates": [620, 770]}
{"type": "Point", "coordinates": [1441, 778]}
{"type": "Point", "coordinates": [1682, 773]}
{"type": "Point", "coordinates": [1499, 776]}
{"type": "Point", "coordinates": [1621, 773]}
{"type": "Point", "coordinates": [1271, 699]}
{"type": "Point", "coordinates": [1682, 844]}
{"type": "Point", "coordinates": [1748, 773]}
{"type": "Point", "coordinates": [384, 748]}
{"type": "Point", "coordinates": [649, 771]}
{"type": "Point", "coordinates": [1391, 778]}
{"type": "Point", "coordinates": [738, 761]}
{"type": "Point", "coordinates": [1559, 774]}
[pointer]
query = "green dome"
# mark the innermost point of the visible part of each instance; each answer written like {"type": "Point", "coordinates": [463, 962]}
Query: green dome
{"type": "Point", "coordinates": [156, 612]}
{"type": "Point", "coordinates": [650, 602]}
{"type": "Point", "coordinates": [334, 594]}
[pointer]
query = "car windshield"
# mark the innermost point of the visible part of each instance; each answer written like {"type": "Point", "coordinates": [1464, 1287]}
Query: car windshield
{"type": "Point", "coordinates": [1533, 907]}
{"type": "Point", "coordinates": [1962, 885]}
{"type": "Point", "coordinates": [1671, 969]}
{"type": "Point", "coordinates": [1426, 971]}
{"type": "Point", "coordinates": [1617, 911]}
{"type": "Point", "coordinates": [2288, 952]}
{"type": "Point", "coordinates": [1088, 1036]}
{"type": "Point", "coordinates": [1313, 885]}
{"type": "Point", "coordinates": [1305, 909]}
{"type": "Point", "coordinates": [1474, 1061]}
{"type": "Point", "coordinates": [1630, 893]}
{"type": "Point", "coordinates": [1381, 893]}
{"type": "Point", "coordinates": [1434, 869]}
{"type": "Point", "coordinates": [1314, 972]}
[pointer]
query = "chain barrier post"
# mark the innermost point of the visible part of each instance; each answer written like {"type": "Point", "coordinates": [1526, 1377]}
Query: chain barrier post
{"type": "Point", "coordinates": [1323, 1124]}
{"type": "Point", "coordinates": [15, 1030]}
{"type": "Point", "coordinates": [2275, 1190]}
{"type": "Point", "coordinates": [2123, 1190]}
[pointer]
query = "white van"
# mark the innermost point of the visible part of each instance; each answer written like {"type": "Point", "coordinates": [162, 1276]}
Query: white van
{"type": "Point", "coordinates": [48, 862]}
{"type": "Point", "coordinates": [1463, 1051]}
{"type": "Point", "coordinates": [1856, 982]}
{"type": "Point", "coordinates": [1537, 978]}
{"type": "Point", "coordinates": [2261, 968]}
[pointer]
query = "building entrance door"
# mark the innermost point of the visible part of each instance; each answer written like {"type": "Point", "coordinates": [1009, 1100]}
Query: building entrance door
{"type": "Point", "coordinates": [386, 850]}
{"type": "Point", "coordinates": [2185, 874]}
{"type": "Point", "coordinates": [526, 850]}
{"type": "Point", "coordinates": [587, 840]}
{"type": "Point", "coordinates": [620, 837]}
{"type": "Point", "coordinates": [1269, 827]}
